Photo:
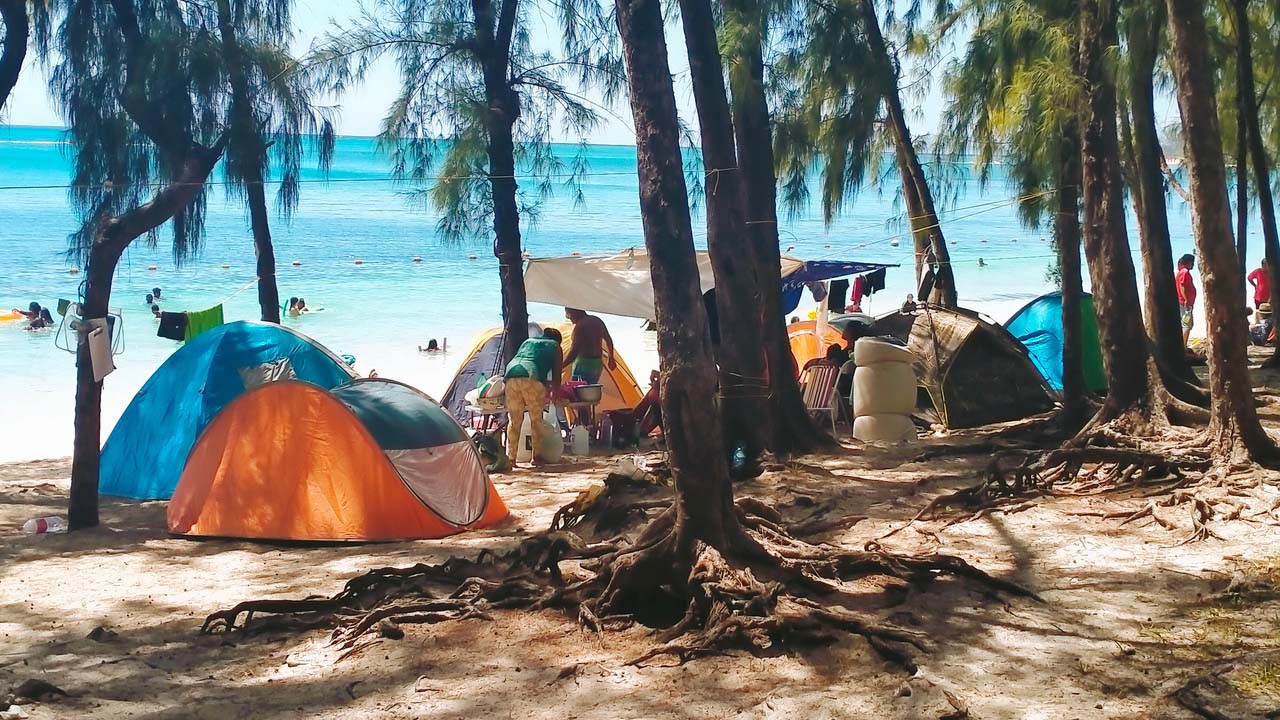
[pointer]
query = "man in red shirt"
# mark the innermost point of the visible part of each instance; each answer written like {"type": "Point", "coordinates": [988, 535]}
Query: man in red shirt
{"type": "Point", "coordinates": [1260, 279]}
{"type": "Point", "coordinates": [1186, 294]}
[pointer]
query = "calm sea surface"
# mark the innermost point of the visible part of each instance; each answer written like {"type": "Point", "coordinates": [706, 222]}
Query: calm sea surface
{"type": "Point", "coordinates": [382, 310]}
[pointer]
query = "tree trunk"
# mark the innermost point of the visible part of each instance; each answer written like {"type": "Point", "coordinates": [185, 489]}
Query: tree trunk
{"type": "Point", "coordinates": [743, 375]}
{"type": "Point", "coordinates": [1258, 156]}
{"type": "Point", "coordinates": [1234, 431]}
{"type": "Point", "coordinates": [1066, 228]}
{"type": "Point", "coordinates": [1132, 382]}
{"type": "Point", "coordinates": [110, 239]}
{"type": "Point", "coordinates": [17, 29]}
{"type": "Point", "coordinates": [1242, 194]}
{"type": "Point", "coordinates": [921, 238]}
{"type": "Point", "coordinates": [250, 161]}
{"type": "Point", "coordinates": [1162, 320]}
{"type": "Point", "coordinates": [944, 288]}
{"type": "Point", "coordinates": [494, 38]}
{"type": "Point", "coordinates": [793, 429]}
{"type": "Point", "coordinates": [703, 496]}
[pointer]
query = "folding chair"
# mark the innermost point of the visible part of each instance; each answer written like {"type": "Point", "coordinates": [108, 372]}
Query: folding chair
{"type": "Point", "coordinates": [820, 391]}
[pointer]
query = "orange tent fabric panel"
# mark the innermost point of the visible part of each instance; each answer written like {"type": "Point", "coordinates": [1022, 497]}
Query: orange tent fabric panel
{"type": "Point", "coordinates": [287, 461]}
{"type": "Point", "coordinates": [805, 345]}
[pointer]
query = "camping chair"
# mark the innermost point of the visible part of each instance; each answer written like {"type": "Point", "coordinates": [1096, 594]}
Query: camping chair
{"type": "Point", "coordinates": [820, 390]}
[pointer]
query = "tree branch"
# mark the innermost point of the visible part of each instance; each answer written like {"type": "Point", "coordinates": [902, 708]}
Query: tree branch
{"type": "Point", "coordinates": [170, 137]}
{"type": "Point", "coordinates": [17, 29]}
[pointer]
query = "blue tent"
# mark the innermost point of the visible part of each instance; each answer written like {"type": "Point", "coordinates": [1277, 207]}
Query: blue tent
{"type": "Point", "coordinates": [1038, 326]}
{"type": "Point", "coordinates": [148, 448]}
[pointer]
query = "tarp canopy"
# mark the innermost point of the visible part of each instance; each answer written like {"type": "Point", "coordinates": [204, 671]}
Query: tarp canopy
{"type": "Point", "coordinates": [620, 284]}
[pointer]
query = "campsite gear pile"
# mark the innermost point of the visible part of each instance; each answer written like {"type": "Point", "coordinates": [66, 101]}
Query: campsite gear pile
{"type": "Point", "coordinates": [884, 392]}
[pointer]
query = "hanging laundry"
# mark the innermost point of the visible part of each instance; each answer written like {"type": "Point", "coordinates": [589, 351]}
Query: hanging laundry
{"type": "Point", "coordinates": [874, 281]}
{"type": "Point", "coordinates": [173, 325]}
{"type": "Point", "coordinates": [818, 290]}
{"type": "Point", "coordinates": [856, 292]}
{"type": "Point", "coordinates": [202, 320]}
{"type": "Point", "coordinates": [835, 301]}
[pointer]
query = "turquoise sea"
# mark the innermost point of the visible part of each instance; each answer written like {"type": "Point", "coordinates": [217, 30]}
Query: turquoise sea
{"type": "Point", "coordinates": [382, 310]}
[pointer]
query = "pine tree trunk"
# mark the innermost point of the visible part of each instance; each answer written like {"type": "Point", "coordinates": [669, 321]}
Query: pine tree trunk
{"type": "Point", "coordinates": [921, 238]}
{"type": "Point", "coordinates": [111, 237]}
{"type": "Point", "coordinates": [17, 29]}
{"type": "Point", "coordinates": [1234, 431]}
{"type": "Point", "coordinates": [251, 161]}
{"type": "Point", "coordinates": [743, 377]}
{"type": "Point", "coordinates": [944, 288]}
{"type": "Point", "coordinates": [793, 429]}
{"type": "Point", "coordinates": [1066, 228]}
{"type": "Point", "coordinates": [494, 39]}
{"type": "Point", "coordinates": [1161, 306]}
{"type": "Point", "coordinates": [1131, 379]}
{"type": "Point", "coordinates": [1258, 159]}
{"type": "Point", "coordinates": [268, 291]}
{"type": "Point", "coordinates": [703, 495]}
{"type": "Point", "coordinates": [1242, 196]}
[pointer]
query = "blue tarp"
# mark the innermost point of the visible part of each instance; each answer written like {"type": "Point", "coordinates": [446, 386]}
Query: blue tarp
{"type": "Point", "coordinates": [148, 448]}
{"type": "Point", "coordinates": [814, 270]}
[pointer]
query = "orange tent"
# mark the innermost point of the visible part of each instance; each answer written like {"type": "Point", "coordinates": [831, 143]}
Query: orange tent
{"type": "Point", "coordinates": [372, 459]}
{"type": "Point", "coordinates": [806, 345]}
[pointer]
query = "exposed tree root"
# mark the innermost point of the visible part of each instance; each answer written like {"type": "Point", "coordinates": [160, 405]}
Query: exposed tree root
{"type": "Point", "coordinates": [759, 592]}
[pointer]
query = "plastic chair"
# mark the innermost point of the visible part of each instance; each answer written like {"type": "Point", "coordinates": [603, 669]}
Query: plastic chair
{"type": "Point", "coordinates": [820, 390]}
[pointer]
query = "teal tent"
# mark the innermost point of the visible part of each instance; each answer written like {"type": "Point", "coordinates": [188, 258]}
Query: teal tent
{"type": "Point", "coordinates": [148, 447]}
{"type": "Point", "coordinates": [1038, 326]}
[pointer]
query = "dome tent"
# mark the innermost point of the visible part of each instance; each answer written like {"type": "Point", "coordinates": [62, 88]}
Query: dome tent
{"type": "Point", "coordinates": [972, 371]}
{"type": "Point", "coordinates": [1038, 326]}
{"type": "Point", "coordinates": [621, 391]}
{"type": "Point", "coordinates": [144, 455]}
{"type": "Point", "coordinates": [371, 460]}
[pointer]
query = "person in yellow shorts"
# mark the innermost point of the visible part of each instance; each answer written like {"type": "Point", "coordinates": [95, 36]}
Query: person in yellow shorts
{"type": "Point", "coordinates": [528, 377]}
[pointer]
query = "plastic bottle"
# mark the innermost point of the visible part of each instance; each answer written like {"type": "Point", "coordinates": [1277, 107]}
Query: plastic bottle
{"type": "Point", "coordinates": [580, 441]}
{"type": "Point", "coordinates": [51, 524]}
{"type": "Point", "coordinates": [606, 431]}
{"type": "Point", "coordinates": [524, 450]}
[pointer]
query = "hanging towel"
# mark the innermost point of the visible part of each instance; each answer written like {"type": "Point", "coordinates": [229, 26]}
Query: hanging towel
{"type": "Point", "coordinates": [173, 325]}
{"type": "Point", "coordinates": [857, 292]}
{"type": "Point", "coordinates": [874, 281]}
{"type": "Point", "coordinates": [835, 301]}
{"type": "Point", "coordinates": [202, 320]}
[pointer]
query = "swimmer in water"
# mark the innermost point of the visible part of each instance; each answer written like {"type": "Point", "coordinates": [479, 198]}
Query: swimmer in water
{"type": "Point", "coordinates": [155, 311]}
{"type": "Point", "coordinates": [293, 307]}
{"type": "Point", "coordinates": [982, 263]}
{"type": "Point", "coordinates": [31, 313]}
{"type": "Point", "coordinates": [155, 293]}
{"type": "Point", "coordinates": [434, 347]}
{"type": "Point", "coordinates": [151, 299]}
{"type": "Point", "coordinates": [43, 320]}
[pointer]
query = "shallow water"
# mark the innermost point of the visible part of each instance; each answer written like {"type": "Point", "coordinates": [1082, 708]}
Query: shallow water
{"type": "Point", "coordinates": [382, 310]}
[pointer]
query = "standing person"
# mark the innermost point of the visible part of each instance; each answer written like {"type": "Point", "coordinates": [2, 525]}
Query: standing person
{"type": "Point", "coordinates": [1186, 294]}
{"type": "Point", "coordinates": [586, 351]}
{"type": "Point", "coordinates": [535, 368]}
{"type": "Point", "coordinates": [1260, 279]}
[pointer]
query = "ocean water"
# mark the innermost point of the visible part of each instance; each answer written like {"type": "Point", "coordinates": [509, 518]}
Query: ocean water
{"type": "Point", "coordinates": [382, 310]}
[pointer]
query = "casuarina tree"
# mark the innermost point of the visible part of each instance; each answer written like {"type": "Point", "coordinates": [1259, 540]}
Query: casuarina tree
{"type": "Point", "coordinates": [477, 109]}
{"type": "Point", "coordinates": [1235, 434]}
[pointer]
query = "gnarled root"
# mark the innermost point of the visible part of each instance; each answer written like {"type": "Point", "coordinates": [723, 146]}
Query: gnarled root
{"type": "Point", "coordinates": [709, 599]}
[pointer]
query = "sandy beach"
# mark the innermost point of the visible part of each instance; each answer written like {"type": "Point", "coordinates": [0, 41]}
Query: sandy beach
{"type": "Point", "coordinates": [1129, 614]}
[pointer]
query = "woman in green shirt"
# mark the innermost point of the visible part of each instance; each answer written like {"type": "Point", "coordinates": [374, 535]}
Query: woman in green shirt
{"type": "Point", "coordinates": [536, 365]}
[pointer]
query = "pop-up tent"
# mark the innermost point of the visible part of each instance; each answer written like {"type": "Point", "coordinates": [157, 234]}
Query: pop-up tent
{"type": "Point", "coordinates": [621, 392]}
{"type": "Point", "coordinates": [144, 455]}
{"type": "Point", "coordinates": [805, 343]}
{"type": "Point", "coordinates": [1038, 326]}
{"type": "Point", "coordinates": [971, 371]}
{"type": "Point", "coordinates": [369, 460]}
{"type": "Point", "coordinates": [620, 284]}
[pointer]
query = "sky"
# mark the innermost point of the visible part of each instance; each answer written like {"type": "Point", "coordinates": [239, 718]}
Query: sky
{"type": "Point", "coordinates": [360, 110]}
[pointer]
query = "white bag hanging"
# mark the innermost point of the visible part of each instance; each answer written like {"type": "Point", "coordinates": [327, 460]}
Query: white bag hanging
{"type": "Point", "coordinates": [100, 352]}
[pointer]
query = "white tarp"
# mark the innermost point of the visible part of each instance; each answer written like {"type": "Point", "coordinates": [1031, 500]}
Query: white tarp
{"type": "Point", "coordinates": [615, 284]}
